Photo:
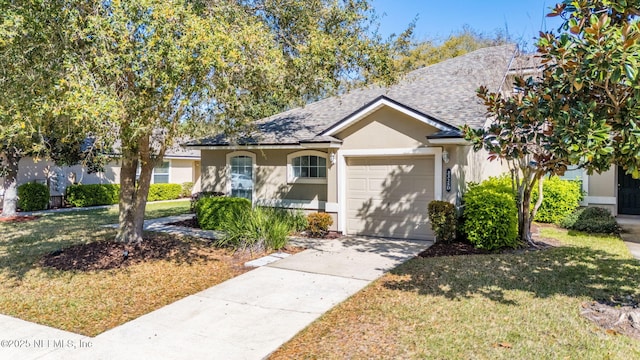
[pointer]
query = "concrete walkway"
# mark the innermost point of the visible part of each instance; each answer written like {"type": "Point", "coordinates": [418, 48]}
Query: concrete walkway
{"type": "Point", "coordinates": [630, 233]}
{"type": "Point", "coordinates": [247, 317]}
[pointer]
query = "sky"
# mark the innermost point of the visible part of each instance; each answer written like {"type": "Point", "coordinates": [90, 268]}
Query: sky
{"type": "Point", "coordinates": [437, 19]}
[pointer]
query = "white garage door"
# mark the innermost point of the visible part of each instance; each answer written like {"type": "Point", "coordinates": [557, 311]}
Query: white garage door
{"type": "Point", "coordinates": [388, 197]}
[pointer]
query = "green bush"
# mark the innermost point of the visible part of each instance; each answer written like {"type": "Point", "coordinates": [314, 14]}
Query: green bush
{"type": "Point", "coordinates": [187, 188]}
{"type": "Point", "coordinates": [442, 215]}
{"type": "Point", "coordinates": [92, 195]}
{"type": "Point", "coordinates": [491, 216]}
{"type": "Point", "coordinates": [591, 220]}
{"type": "Point", "coordinates": [200, 195]}
{"type": "Point", "coordinates": [318, 224]}
{"type": "Point", "coordinates": [159, 192]}
{"type": "Point", "coordinates": [33, 196]}
{"type": "Point", "coordinates": [561, 198]}
{"type": "Point", "coordinates": [260, 228]}
{"type": "Point", "coordinates": [214, 212]}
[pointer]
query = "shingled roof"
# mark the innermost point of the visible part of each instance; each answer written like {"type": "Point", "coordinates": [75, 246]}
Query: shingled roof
{"type": "Point", "coordinates": [444, 92]}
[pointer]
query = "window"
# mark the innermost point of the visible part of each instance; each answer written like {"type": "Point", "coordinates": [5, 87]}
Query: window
{"type": "Point", "coordinates": [241, 174]}
{"type": "Point", "coordinates": [307, 167]}
{"type": "Point", "coordinates": [161, 173]}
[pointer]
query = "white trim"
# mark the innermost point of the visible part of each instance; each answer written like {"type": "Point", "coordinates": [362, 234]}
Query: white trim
{"type": "Point", "coordinates": [253, 171]}
{"type": "Point", "coordinates": [300, 180]}
{"type": "Point", "coordinates": [601, 200]}
{"type": "Point", "coordinates": [364, 112]}
{"type": "Point", "coordinates": [448, 141]}
{"type": "Point", "coordinates": [342, 169]}
{"type": "Point", "coordinates": [299, 204]}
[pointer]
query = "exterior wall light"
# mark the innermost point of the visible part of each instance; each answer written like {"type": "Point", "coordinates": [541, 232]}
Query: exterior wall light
{"type": "Point", "coordinates": [445, 156]}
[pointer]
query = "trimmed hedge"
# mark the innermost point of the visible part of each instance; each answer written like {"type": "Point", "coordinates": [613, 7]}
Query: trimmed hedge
{"type": "Point", "coordinates": [159, 192]}
{"type": "Point", "coordinates": [92, 194]}
{"type": "Point", "coordinates": [33, 196]}
{"type": "Point", "coordinates": [592, 220]}
{"type": "Point", "coordinates": [212, 213]}
{"type": "Point", "coordinates": [491, 215]}
{"type": "Point", "coordinates": [442, 215]}
{"type": "Point", "coordinates": [561, 198]}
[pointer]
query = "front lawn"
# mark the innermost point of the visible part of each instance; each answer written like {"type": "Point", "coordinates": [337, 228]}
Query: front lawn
{"type": "Point", "coordinates": [90, 302]}
{"type": "Point", "coordinates": [511, 306]}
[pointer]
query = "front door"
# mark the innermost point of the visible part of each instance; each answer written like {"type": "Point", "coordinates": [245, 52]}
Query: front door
{"type": "Point", "coordinates": [628, 194]}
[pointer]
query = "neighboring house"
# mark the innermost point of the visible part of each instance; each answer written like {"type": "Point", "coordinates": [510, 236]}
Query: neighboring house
{"type": "Point", "coordinates": [178, 166]}
{"type": "Point", "coordinates": [374, 158]}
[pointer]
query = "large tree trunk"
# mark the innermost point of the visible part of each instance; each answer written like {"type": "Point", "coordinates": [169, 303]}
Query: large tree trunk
{"type": "Point", "coordinates": [10, 185]}
{"type": "Point", "coordinates": [133, 194]}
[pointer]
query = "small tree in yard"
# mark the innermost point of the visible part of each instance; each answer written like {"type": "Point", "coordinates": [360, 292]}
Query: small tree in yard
{"type": "Point", "coordinates": [583, 109]}
{"type": "Point", "coordinates": [521, 132]}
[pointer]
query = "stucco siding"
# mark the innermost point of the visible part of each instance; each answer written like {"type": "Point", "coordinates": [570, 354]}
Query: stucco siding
{"type": "Point", "coordinates": [181, 171]}
{"type": "Point", "coordinates": [385, 128]}
{"type": "Point", "coordinates": [603, 184]}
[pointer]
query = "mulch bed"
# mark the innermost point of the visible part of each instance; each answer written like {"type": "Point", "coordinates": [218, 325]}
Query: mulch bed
{"type": "Point", "coordinates": [18, 218]}
{"type": "Point", "coordinates": [104, 255]}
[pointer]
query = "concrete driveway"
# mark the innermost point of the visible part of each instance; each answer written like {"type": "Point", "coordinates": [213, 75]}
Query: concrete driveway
{"type": "Point", "coordinates": [247, 317]}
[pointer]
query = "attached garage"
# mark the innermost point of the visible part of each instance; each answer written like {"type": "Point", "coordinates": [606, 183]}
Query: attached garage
{"type": "Point", "coordinates": [388, 196]}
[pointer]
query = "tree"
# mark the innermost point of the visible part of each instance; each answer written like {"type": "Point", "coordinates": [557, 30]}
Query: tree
{"type": "Point", "coordinates": [592, 67]}
{"type": "Point", "coordinates": [32, 57]}
{"type": "Point", "coordinates": [424, 53]}
{"type": "Point", "coordinates": [521, 132]}
{"type": "Point", "coordinates": [581, 110]}
{"type": "Point", "coordinates": [156, 71]}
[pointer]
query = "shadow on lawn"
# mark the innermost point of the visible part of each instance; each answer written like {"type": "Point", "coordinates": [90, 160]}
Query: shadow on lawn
{"type": "Point", "coordinates": [24, 244]}
{"type": "Point", "coordinates": [570, 271]}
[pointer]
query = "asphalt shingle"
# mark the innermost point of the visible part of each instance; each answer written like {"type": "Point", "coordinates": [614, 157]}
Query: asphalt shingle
{"type": "Point", "coordinates": [445, 91]}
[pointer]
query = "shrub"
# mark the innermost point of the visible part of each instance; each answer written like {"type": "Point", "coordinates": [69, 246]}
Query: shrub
{"type": "Point", "coordinates": [318, 224]}
{"type": "Point", "coordinates": [201, 195]}
{"type": "Point", "coordinates": [159, 192]}
{"type": "Point", "coordinates": [442, 215]}
{"type": "Point", "coordinates": [591, 220]}
{"type": "Point", "coordinates": [187, 188]}
{"type": "Point", "coordinates": [214, 212]}
{"type": "Point", "coordinates": [561, 198]}
{"type": "Point", "coordinates": [33, 196]}
{"type": "Point", "coordinates": [491, 216]}
{"type": "Point", "coordinates": [260, 228]}
{"type": "Point", "coordinates": [92, 195]}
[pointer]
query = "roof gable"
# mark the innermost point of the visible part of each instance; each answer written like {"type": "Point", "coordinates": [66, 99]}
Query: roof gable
{"type": "Point", "coordinates": [378, 103]}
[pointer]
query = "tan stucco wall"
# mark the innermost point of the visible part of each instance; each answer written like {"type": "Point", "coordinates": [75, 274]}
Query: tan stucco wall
{"type": "Point", "coordinates": [270, 176]}
{"type": "Point", "coordinates": [385, 128]}
{"type": "Point", "coordinates": [181, 171]}
{"type": "Point", "coordinates": [62, 176]}
{"type": "Point", "coordinates": [604, 184]}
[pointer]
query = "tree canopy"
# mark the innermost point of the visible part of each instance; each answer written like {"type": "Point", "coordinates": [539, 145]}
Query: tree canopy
{"type": "Point", "coordinates": [416, 54]}
{"type": "Point", "coordinates": [148, 72]}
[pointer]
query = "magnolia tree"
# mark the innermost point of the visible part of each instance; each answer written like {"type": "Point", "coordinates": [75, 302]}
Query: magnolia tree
{"type": "Point", "coordinates": [583, 107]}
{"type": "Point", "coordinates": [521, 132]}
{"type": "Point", "coordinates": [150, 72]}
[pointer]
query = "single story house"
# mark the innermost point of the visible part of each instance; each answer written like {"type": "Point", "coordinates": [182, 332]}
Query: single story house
{"type": "Point", "coordinates": [374, 157]}
{"type": "Point", "coordinates": [178, 166]}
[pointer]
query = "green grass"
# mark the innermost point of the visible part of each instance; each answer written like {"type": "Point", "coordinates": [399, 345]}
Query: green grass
{"type": "Point", "coordinates": [91, 302]}
{"type": "Point", "coordinates": [506, 306]}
